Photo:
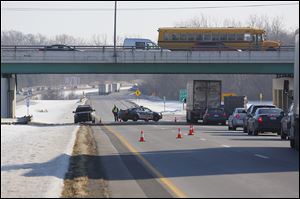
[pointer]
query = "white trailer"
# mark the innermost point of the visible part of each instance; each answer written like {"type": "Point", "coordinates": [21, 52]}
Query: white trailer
{"type": "Point", "coordinates": [116, 87]}
{"type": "Point", "coordinates": [103, 89]}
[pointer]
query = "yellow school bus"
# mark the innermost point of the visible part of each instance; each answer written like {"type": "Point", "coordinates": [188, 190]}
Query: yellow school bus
{"type": "Point", "coordinates": [215, 39]}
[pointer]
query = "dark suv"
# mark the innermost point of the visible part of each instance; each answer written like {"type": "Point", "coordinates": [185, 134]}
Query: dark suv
{"type": "Point", "coordinates": [250, 113]}
{"type": "Point", "coordinates": [214, 116]}
{"type": "Point", "coordinates": [139, 113]}
{"type": "Point", "coordinates": [84, 113]}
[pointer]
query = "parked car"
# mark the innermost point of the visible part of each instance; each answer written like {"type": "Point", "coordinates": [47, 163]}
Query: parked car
{"type": "Point", "coordinates": [214, 116]}
{"type": "Point", "coordinates": [236, 119]}
{"type": "Point", "coordinates": [84, 113]}
{"type": "Point", "coordinates": [265, 120]}
{"type": "Point", "coordinates": [58, 47]}
{"type": "Point", "coordinates": [250, 113]}
{"type": "Point", "coordinates": [286, 123]}
{"type": "Point", "coordinates": [139, 113]}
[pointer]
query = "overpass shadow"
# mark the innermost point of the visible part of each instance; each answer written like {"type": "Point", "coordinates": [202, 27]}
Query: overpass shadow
{"type": "Point", "coordinates": [173, 163]}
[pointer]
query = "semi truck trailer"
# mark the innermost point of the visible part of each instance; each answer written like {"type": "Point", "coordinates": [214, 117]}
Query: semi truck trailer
{"type": "Point", "coordinates": [202, 94]}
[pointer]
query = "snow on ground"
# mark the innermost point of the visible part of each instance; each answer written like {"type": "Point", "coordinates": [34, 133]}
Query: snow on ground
{"type": "Point", "coordinates": [169, 107]}
{"type": "Point", "coordinates": [34, 159]}
{"type": "Point", "coordinates": [173, 107]}
{"type": "Point", "coordinates": [79, 92]}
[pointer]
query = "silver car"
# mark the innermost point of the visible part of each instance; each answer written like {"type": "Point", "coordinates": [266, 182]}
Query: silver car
{"type": "Point", "coordinates": [236, 119]}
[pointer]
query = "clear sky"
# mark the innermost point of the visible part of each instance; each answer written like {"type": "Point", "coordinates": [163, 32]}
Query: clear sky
{"type": "Point", "coordinates": [137, 22]}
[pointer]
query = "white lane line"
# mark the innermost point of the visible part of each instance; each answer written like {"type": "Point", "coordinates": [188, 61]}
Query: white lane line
{"type": "Point", "coordinates": [226, 146]}
{"type": "Point", "coordinates": [262, 156]}
{"type": "Point", "coordinates": [203, 139]}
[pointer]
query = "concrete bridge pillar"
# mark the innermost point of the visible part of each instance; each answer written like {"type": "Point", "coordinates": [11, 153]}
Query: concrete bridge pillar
{"type": "Point", "coordinates": [279, 98]}
{"type": "Point", "coordinates": [8, 96]}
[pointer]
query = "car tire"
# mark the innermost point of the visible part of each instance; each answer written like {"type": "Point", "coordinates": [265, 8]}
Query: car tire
{"type": "Point", "coordinates": [155, 118]}
{"type": "Point", "coordinates": [125, 120]}
{"type": "Point", "coordinates": [229, 128]}
{"type": "Point", "coordinates": [245, 130]}
{"type": "Point", "coordinates": [255, 132]}
{"type": "Point", "coordinates": [135, 118]}
{"type": "Point", "coordinates": [249, 132]}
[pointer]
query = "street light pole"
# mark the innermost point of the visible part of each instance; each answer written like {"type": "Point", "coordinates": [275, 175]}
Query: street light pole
{"type": "Point", "coordinates": [115, 32]}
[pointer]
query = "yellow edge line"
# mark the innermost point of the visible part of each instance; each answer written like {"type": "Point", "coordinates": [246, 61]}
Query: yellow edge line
{"type": "Point", "coordinates": [165, 181]}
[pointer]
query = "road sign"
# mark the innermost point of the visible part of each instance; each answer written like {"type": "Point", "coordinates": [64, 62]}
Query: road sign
{"type": "Point", "coordinates": [27, 101]}
{"type": "Point", "coordinates": [182, 95]}
{"type": "Point", "coordinates": [137, 93]}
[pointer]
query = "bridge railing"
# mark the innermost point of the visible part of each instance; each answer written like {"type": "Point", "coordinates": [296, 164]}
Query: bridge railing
{"type": "Point", "coordinates": [133, 48]}
{"type": "Point", "coordinates": [30, 54]}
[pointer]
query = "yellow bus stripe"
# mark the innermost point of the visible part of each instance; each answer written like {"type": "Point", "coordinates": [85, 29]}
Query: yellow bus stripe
{"type": "Point", "coordinates": [168, 183]}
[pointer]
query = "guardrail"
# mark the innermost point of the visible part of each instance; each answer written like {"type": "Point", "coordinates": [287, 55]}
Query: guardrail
{"type": "Point", "coordinates": [133, 48]}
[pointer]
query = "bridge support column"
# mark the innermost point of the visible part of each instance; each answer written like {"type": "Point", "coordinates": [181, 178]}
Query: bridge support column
{"type": "Point", "coordinates": [279, 98]}
{"type": "Point", "coordinates": [8, 96]}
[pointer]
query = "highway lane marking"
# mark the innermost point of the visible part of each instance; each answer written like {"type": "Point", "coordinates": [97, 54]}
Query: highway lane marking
{"type": "Point", "coordinates": [261, 156]}
{"type": "Point", "coordinates": [203, 139]}
{"type": "Point", "coordinates": [226, 146]}
{"type": "Point", "coordinates": [168, 183]}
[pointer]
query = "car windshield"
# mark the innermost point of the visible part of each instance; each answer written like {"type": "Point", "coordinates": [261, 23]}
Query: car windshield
{"type": "Point", "coordinates": [83, 109]}
{"type": "Point", "coordinates": [269, 111]}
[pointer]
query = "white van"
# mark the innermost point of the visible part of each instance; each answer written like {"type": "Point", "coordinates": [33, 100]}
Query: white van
{"type": "Point", "coordinates": [138, 43]}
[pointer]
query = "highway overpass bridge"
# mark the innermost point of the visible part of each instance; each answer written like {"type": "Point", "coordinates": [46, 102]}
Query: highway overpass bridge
{"type": "Point", "coordinates": [102, 60]}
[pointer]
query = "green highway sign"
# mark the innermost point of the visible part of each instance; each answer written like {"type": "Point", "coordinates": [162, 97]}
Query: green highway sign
{"type": "Point", "coordinates": [182, 94]}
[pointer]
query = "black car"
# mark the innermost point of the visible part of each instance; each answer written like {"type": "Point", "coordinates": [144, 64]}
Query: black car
{"type": "Point", "coordinates": [265, 120]}
{"type": "Point", "coordinates": [286, 123]}
{"type": "Point", "coordinates": [250, 113]}
{"type": "Point", "coordinates": [214, 116]}
{"type": "Point", "coordinates": [139, 113]}
{"type": "Point", "coordinates": [84, 113]}
{"type": "Point", "coordinates": [58, 47]}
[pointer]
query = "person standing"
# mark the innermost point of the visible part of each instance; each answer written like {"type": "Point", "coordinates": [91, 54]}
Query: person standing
{"type": "Point", "coordinates": [115, 111]}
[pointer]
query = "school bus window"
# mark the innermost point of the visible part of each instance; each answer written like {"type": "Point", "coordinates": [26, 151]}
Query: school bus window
{"type": "Point", "coordinates": [231, 37]}
{"type": "Point", "coordinates": [190, 37]}
{"type": "Point", "coordinates": [247, 37]}
{"type": "Point", "coordinates": [166, 36]}
{"type": "Point", "coordinates": [215, 37]}
{"type": "Point", "coordinates": [207, 37]}
{"type": "Point", "coordinates": [199, 37]}
{"type": "Point", "coordinates": [259, 37]}
{"type": "Point", "coordinates": [182, 37]}
{"type": "Point", "coordinates": [175, 36]}
{"type": "Point", "coordinates": [239, 37]}
{"type": "Point", "coordinates": [223, 37]}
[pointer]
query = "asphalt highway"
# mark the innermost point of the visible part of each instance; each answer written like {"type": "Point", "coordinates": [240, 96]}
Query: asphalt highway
{"type": "Point", "coordinates": [214, 162]}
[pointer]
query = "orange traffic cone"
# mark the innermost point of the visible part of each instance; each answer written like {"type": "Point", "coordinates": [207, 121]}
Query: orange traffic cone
{"type": "Point", "coordinates": [179, 134]}
{"type": "Point", "coordinates": [142, 139]}
{"type": "Point", "coordinates": [191, 130]}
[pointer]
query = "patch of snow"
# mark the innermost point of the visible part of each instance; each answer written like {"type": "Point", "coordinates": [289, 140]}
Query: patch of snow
{"type": "Point", "coordinates": [34, 159]}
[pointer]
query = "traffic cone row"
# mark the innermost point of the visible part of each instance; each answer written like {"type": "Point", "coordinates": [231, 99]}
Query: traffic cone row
{"type": "Point", "coordinates": [191, 131]}
{"type": "Point", "coordinates": [142, 139]}
{"type": "Point", "coordinates": [179, 135]}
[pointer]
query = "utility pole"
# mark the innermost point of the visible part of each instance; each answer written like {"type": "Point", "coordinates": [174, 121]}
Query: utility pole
{"type": "Point", "coordinates": [115, 32]}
